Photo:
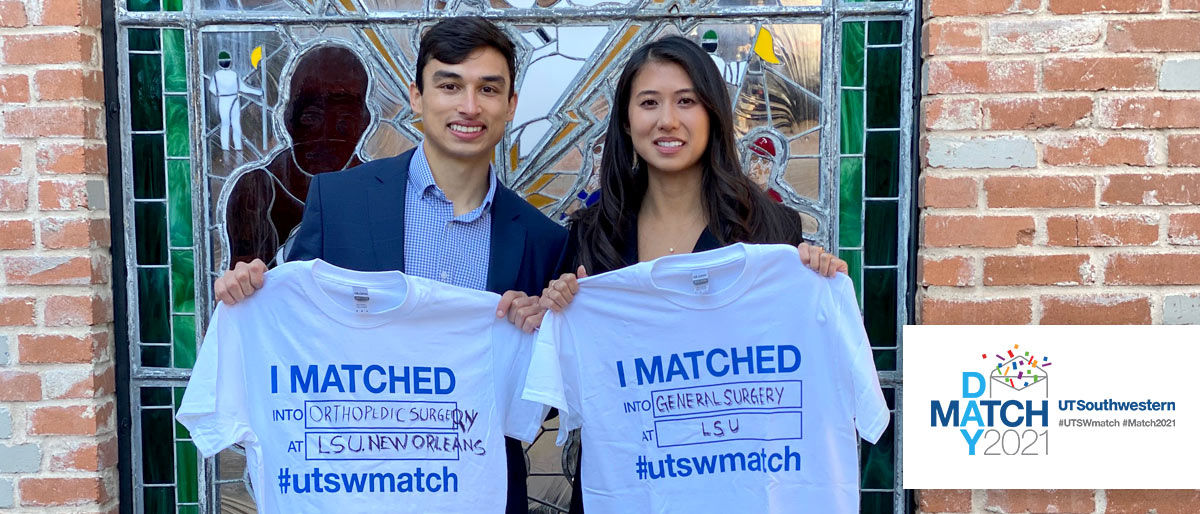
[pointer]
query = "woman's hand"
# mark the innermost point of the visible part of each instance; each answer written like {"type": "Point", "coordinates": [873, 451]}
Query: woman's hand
{"type": "Point", "coordinates": [558, 295]}
{"type": "Point", "coordinates": [821, 261]}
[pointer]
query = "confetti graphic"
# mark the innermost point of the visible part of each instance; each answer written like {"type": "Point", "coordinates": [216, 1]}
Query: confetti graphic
{"type": "Point", "coordinates": [1028, 369]}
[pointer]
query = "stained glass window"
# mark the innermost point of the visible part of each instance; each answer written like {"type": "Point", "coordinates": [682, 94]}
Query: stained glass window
{"type": "Point", "coordinates": [229, 107]}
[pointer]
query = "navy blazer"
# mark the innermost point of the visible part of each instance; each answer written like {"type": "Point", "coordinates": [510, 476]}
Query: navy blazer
{"type": "Point", "coordinates": [354, 219]}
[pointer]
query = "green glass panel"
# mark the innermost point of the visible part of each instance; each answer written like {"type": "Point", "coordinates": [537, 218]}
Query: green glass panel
{"type": "Point", "coordinates": [148, 176]}
{"type": "Point", "coordinates": [174, 60]}
{"type": "Point", "coordinates": [885, 360]}
{"type": "Point", "coordinates": [177, 126]}
{"type": "Point", "coordinates": [879, 306]}
{"type": "Point", "coordinates": [158, 449]}
{"type": "Point", "coordinates": [143, 39]}
{"type": "Point", "coordinates": [172, 5]}
{"type": "Point", "coordinates": [881, 230]}
{"type": "Point", "coordinates": [186, 473]}
{"type": "Point", "coordinates": [156, 356]}
{"type": "Point", "coordinates": [142, 5]}
{"type": "Point", "coordinates": [877, 461]}
{"type": "Point", "coordinates": [852, 121]}
{"type": "Point", "coordinates": [889, 397]}
{"type": "Point", "coordinates": [884, 32]}
{"type": "Point", "coordinates": [156, 396]}
{"type": "Point", "coordinates": [179, 181]}
{"type": "Point", "coordinates": [883, 164]}
{"type": "Point", "coordinates": [184, 331]}
{"type": "Point", "coordinates": [850, 222]}
{"type": "Point", "coordinates": [188, 509]}
{"type": "Point", "coordinates": [150, 227]}
{"type": "Point", "coordinates": [160, 499]}
{"type": "Point", "coordinates": [181, 432]}
{"type": "Point", "coordinates": [152, 306]}
{"type": "Point", "coordinates": [853, 51]}
{"type": "Point", "coordinates": [853, 260]}
{"type": "Point", "coordinates": [883, 87]}
{"type": "Point", "coordinates": [183, 291]}
{"type": "Point", "coordinates": [145, 92]}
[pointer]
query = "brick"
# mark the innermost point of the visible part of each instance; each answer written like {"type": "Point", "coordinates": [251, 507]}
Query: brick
{"type": "Point", "coordinates": [10, 159]}
{"type": "Point", "coordinates": [60, 233]}
{"type": "Point", "coordinates": [12, 14]}
{"type": "Point", "coordinates": [56, 48]}
{"type": "Point", "coordinates": [1075, 501]}
{"type": "Point", "coordinates": [4, 354]}
{"type": "Point", "coordinates": [948, 113]}
{"type": "Point", "coordinates": [85, 456]}
{"type": "Point", "coordinates": [72, 13]}
{"type": "Point", "coordinates": [7, 496]}
{"type": "Point", "coordinates": [1065, 191]}
{"type": "Point", "coordinates": [948, 192]}
{"type": "Point", "coordinates": [20, 386]}
{"type": "Point", "coordinates": [1037, 270]}
{"type": "Point", "coordinates": [1036, 113]}
{"type": "Point", "coordinates": [1099, 151]}
{"type": "Point", "coordinates": [1096, 310]}
{"type": "Point", "coordinates": [1181, 310]}
{"type": "Point", "coordinates": [980, 152]}
{"type": "Point", "coordinates": [1183, 150]}
{"type": "Point", "coordinates": [16, 235]}
{"type": "Point", "coordinates": [977, 231]}
{"type": "Point", "coordinates": [51, 492]}
{"type": "Point", "coordinates": [1153, 269]}
{"type": "Point", "coordinates": [1104, 6]}
{"type": "Point", "coordinates": [1101, 231]}
{"type": "Point", "coordinates": [57, 195]}
{"type": "Point", "coordinates": [941, 37]}
{"type": "Point", "coordinates": [951, 271]}
{"type": "Point", "coordinates": [69, 420]}
{"type": "Point", "coordinates": [14, 89]}
{"type": "Point", "coordinates": [5, 424]}
{"type": "Point", "coordinates": [992, 76]}
{"type": "Point", "coordinates": [59, 121]}
{"type": "Point", "coordinates": [14, 195]}
{"type": "Point", "coordinates": [1184, 5]}
{"type": "Point", "coordinates": [70, 85]}
{"type": "Point", "coordinates": [940, 501]}
{"type": "Point", "coordinates": [77, 382]}
{"type": "Point", "coordinates": [1124, 501]}
{"type": "Point", "coordinates": [939, 8]}
{"type": "Point", "coordinates": [1148, 112]}
{"type": "Point", "coordinates": [1182, 74]}
{"type": "Point", "coordinates": [60, 349]}
{"type": "Point", "coordinates": [1011, 311]}
{"type": "Point", "coordinates": [16, 312]}
{"type": "Point", "coordinates": [1042, 36]}
{"type": "Point", "coordinates": [1154, 35]}
{"type": "Point", "coordinates": [72, 158]}
{"type": "Point", "coordinates": [76, 311]}
{"type": "Point", "coordinates": [20, 458]}
{"type": "Point", "coordinates": [1147, 189]}
{"type": "Point", "coordinates": [1184, 229]}
{"type": "Point", "coordinates": [1099, 73]}
{"type": "Point", "coordinates": [48, 271]}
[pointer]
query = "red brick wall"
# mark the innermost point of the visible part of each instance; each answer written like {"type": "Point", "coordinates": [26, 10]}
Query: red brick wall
{"type": "Point", "coordinates": [58, 446]}
{"type": "Point", "coordinates": [1060, 184]}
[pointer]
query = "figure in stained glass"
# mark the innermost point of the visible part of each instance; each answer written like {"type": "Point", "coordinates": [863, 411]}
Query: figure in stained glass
{"type": "Point", "coordinates": [229, 88]}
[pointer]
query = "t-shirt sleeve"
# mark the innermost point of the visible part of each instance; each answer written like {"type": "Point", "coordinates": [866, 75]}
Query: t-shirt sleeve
{"type": "Point", "coordinates": [553, 377]}
{"type": "Point", "coordinates": [511, 349]}
{"type": "Point", "coordinates": [870, 409]}
{"type": "Point", "coordinates": [214, 408]}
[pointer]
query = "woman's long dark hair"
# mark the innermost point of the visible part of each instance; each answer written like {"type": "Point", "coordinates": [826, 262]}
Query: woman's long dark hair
{"type": "Point", "coordinates": [736, 209]}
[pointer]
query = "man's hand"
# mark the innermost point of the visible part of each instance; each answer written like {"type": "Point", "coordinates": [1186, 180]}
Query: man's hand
{"type": "Point", "coordinates": [821, 261]}
{"type": "Point", "coordinates": [240, 282]}
{"type": "Point", "coordinates": [521, 309]}
{"type": "Point", "coordinates": [558, 295]}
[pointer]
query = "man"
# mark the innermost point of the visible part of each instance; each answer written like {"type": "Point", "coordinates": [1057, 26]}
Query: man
{"type": "Point", "coordinates": [438, 211]}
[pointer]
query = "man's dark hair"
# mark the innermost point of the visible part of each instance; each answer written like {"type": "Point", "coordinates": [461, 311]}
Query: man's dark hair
{"type": "Point", "coordinates": [454, 39]}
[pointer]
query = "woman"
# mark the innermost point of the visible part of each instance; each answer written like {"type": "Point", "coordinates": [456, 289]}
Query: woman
{"type": "Point", "coordinates": [670, 178]}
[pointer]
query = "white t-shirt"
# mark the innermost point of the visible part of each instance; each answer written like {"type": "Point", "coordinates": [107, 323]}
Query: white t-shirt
{"type": "Point", "coordinates": [356, 391]}
{"type": "Point", "coordinates": [724, 381]}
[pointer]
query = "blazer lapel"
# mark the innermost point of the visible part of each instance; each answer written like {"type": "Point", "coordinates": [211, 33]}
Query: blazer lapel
{"type": "Point", "coordinates": [385, 210]}
{"type": "Point", "coordinates": [508, 242]}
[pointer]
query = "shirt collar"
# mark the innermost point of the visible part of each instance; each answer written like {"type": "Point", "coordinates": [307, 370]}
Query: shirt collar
{"type": "Point", "coordinates": [420, 176]}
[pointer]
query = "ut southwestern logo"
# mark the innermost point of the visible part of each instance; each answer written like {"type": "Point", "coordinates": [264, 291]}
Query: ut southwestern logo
{"type": "Point", "coordinates": [1017, 390]}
